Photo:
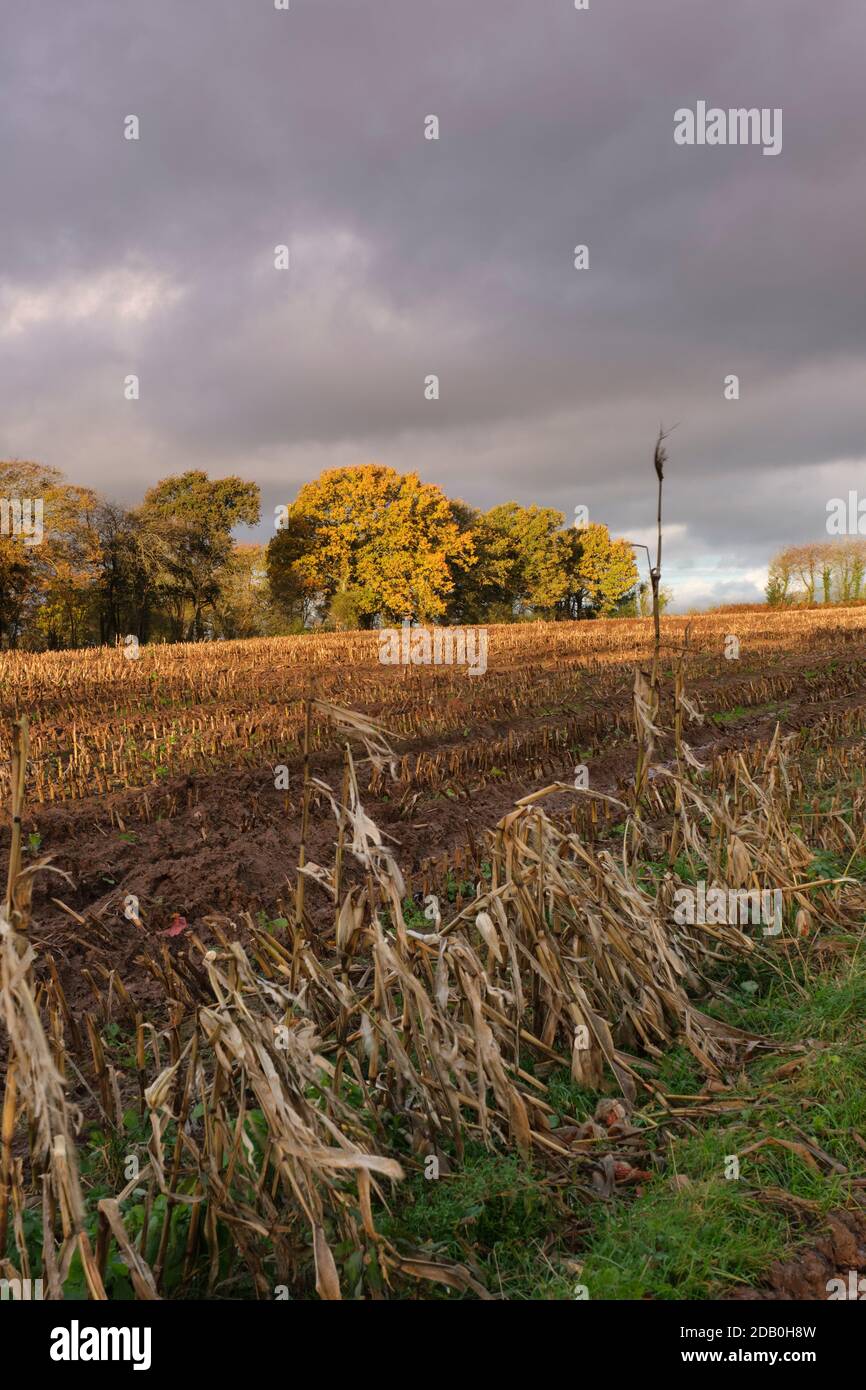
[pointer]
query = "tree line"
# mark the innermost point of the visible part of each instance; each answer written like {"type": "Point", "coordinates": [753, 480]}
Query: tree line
{"type": "Point", "coordinates": [165, 570]}
{"type": "Point", "coordinates": [362, 546]}
{"type": "Point", "coordinates": [830, 571]}
{"type": "Point", "coordinates": [358, 547]}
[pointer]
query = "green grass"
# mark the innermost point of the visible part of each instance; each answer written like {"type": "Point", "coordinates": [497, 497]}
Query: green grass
{"type": "Point", "coordinates": [493, 1213]}
{"type": "Point", "coordinates": [672, 1241]}
{"type": "Point", "coordinates": [693, 1242]}
{"type": "Point", "coordinates": [732, 716]}
{"type": "Point", "coordinates": [523, 1235]}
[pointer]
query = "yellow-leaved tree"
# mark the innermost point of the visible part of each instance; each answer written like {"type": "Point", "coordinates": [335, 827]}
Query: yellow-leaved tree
{"type": "Point", "coordinates": [369, 542]}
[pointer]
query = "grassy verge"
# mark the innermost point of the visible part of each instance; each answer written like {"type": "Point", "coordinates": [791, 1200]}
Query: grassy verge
{"type": "Point", "coordinates": [690, 1232]}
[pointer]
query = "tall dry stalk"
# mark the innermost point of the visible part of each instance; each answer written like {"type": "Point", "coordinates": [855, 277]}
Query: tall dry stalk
{"type": "Point", "coordinates": [13, 917]}
{"type": "Point", "coordinates": [660, 458]}
{"type": "Point", "coordinates": [305, 818]}
{"type": "Point", "coordinates": [20, 747]}
{"type": "Point", "coordinates": [646, 694]}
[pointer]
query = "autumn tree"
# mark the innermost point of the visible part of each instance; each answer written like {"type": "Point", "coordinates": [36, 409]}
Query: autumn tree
{"type": "Point", "coordinates": [19, 578]}
{"type": "Point", "coordinates": [293, 586]}
{"type": "Point", "coordinates": [834, 568]}
{"type": "Point", "coordinates": [189, 520]}
{"type": "Point", "coordinates": [523, 555]}
{"type": "Point", "coordinates": [850, 568]}
{"type": "Point", "coordinates": [133, 570]}
{"type": "Point", "coordinates": [805, 563]}
{"type": "Point", "coordinates": [370, 541]}
{"type": "Point", "coordinates": [601, 572]}
{"type": "Point", "coordinates": [46, 583]}
{"type": "Point", "coordinates": [779, 579]}
{"type": "Point", "coordinates": [530, 565]}
{"type": "Point", "coordinates": [245, 607]}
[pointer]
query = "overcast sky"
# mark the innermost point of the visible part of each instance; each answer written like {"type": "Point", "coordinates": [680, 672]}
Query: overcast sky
{"type": "Point", "coordinates": [456, 257]}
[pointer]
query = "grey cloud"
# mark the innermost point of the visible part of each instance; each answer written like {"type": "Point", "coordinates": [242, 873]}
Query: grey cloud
{"type": "Point", "coordinates": [454, 257]}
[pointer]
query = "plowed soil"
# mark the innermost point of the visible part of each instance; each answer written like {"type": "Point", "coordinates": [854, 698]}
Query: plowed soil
{"type": "Point", "coordinates": [228, 843]}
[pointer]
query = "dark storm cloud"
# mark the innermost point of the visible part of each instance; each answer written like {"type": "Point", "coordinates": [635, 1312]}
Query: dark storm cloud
{"type": "Point", "coordinates": [412, 257]}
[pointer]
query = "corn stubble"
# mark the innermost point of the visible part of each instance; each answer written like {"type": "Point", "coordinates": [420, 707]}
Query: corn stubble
{"type": "Point", "coordinates": [101, 724]}
{"type": "Point", "coordinates": [274, 1093]}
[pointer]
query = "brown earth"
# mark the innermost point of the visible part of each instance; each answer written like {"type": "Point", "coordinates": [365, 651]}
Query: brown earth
{"type": "Point", "coordinates": [222, 844]}
{"type": "Point", "coordinates": [806, 1275]}
{"type": "Point", "coordinates": [228, 842]}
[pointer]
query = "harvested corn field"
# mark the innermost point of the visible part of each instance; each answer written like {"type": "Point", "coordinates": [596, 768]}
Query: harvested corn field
{"type": "Point", "coordinates": [448, 990]}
